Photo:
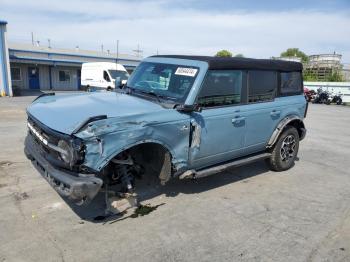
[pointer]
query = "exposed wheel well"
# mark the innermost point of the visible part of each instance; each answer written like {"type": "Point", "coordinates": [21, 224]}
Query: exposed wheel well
{"type": "Point", "coordinates": [153, 158]}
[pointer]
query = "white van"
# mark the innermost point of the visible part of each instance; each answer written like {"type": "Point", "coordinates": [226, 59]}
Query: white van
{"type": "Point", "coordinates": [102, 75]}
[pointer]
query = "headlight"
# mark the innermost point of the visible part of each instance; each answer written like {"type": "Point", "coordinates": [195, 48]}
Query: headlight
{"type": "Point", "coordinates": [66, 153]}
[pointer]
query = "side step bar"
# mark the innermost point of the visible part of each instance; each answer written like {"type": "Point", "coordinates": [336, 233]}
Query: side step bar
{"type": "Point", "coordinates": [193, 174]}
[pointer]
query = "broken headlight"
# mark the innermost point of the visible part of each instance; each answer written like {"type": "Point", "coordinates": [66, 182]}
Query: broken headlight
{"type": "Point", "coordinates": [66, 152]}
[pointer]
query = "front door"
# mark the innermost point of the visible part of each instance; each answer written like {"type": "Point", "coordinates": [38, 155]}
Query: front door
{"type": "Point", "coordinates": [220, 126]}
{"type": "Point", "coordinates": [33, 75]}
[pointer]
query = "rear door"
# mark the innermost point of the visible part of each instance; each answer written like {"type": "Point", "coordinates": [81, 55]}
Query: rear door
{"type": "Point", "coordinates": [263, 112]}
{"type": "Point", "coordinates": [218, 130]}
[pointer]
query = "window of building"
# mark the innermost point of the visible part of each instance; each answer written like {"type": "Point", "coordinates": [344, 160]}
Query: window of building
{"type": "Point", "coordinates": [221, 87]}
{"type": "Point", "coordinates": [291, 83]}
{"type": "Point", "coordinates": [262, 86]}
{"type": "Point", "coordinates": [64, 75]}
{"type": "Point", "coordinates": [106, 76]}
{"type": "Point", "coordinates": [16, 74]}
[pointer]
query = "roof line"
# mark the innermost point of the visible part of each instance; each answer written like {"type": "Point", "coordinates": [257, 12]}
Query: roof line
{"type": "Point", "coordinates": [47, 60]}
{"type": "Point", "coordinates": [74, 55]}
{"type": "Point", "coordinates": [2, 22]}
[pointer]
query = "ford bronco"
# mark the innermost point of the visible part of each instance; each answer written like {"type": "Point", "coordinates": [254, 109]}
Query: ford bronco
{"type": "Point", "coordinates": [177, 116]}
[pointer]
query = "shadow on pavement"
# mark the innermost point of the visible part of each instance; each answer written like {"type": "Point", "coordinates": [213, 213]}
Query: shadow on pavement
{"type": "Point", "coordinates": [149, 188]}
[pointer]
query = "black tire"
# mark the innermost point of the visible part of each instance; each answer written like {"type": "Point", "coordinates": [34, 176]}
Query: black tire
{"type": "Point", "coordinates": [285, 150]}
{"type": "Point", "coordinates": [109, 88]}
{"type": "Point", "coordinates": [339, 102]}
{"type": "Point", "coordinates": [88, 89]}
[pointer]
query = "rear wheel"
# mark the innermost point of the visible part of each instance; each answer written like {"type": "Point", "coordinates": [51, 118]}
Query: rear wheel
{"type": "Point", "coordinates": [285, 150]}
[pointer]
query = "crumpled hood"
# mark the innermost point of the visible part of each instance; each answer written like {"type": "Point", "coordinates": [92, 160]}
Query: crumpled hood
{"type": "Point", "coordinates": [65, 113]}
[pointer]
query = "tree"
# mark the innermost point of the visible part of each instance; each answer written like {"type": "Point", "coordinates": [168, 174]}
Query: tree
{"type": "Point", "coordinates": [335, 76]}
{"type": "Point", "coordinates": [290, 52]}
{"type": "Point", "coordinates": [308, 75]}
{"type": "Point", "coordinates": [224, 53]}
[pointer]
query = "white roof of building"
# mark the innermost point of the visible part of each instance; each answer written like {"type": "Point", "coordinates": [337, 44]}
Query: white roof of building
{"type": "Point", "coordinates": [76, 51]}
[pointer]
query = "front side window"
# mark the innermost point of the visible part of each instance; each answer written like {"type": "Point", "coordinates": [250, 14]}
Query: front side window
{"type": "Point", "coordinates": [220, 88]}
{"type": "Point", "coordinates": [118, 73]}
{"type": "Point", "coordinates": [169, 81]}
{"type": "Point", "coordinates": [64, 76]}
{"type": "Point", "coordinates": [291, 83]}
{"type": "Point", "coordinates": [16, 74]}
{"type": "Point", "coordinates": [106, 76]}
{"type": "Point", "coordinates": [262, 86]}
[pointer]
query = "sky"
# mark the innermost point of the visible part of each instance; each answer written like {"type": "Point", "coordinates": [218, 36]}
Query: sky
{"type": "Point", "coordinates": [259, 29]}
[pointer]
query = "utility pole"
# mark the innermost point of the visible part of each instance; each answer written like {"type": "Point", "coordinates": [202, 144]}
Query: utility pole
{"type": "Point", "coordinates": [138, 51]}
{"type": "Point", "coordinates": [102, 48]}
{"type": "Point", "coordinates": [117, 50]}
{"type": "Point", "coordinates": [49, 42]}
{"type": "Point", "coordinates": [32, 38]}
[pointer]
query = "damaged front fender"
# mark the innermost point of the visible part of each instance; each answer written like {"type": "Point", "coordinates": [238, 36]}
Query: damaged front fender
{"type": "Point", "coordinates": [107, 138]}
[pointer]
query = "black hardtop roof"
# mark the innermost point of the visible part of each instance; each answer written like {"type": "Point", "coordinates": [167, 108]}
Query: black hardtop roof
{"type": "Point", "coordinates": [224, 63]}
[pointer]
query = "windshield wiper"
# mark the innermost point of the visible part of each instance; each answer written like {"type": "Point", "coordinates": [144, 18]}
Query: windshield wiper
{"type": "Point", "coordinates": [146, 93]}
{"type": "Point", "coordinates": [153, 94]}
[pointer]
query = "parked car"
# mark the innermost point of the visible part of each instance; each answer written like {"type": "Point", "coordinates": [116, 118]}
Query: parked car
{"type": "Point", "coordinates": [179, 116]}
{"type": "Point", "coordinates": [102, 75]}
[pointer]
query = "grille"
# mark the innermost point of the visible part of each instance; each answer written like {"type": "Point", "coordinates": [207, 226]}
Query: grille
{"type": "Point", "coordinates": [42, 139]}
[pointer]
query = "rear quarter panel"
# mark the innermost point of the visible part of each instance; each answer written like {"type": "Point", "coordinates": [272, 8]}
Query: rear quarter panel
{"type": "Point", "coordinates": [291, 105]}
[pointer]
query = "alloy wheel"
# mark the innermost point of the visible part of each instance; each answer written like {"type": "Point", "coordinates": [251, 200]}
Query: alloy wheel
{"type": "Point", "coordinates": [287, 150]}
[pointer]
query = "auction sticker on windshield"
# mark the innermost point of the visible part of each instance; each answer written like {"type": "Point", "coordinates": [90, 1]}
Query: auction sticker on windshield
{"type": "Point", "coordinates": [185, 71]}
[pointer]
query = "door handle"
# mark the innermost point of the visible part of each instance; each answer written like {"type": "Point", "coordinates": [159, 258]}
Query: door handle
{"type": "Point", "coordinates": [238, 119]}
{"type": "Point", "coordinates": [275, 113]}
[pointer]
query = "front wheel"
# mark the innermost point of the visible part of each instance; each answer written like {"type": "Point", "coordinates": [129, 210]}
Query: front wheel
{"type": "Point", "coordinates": [285, 150]}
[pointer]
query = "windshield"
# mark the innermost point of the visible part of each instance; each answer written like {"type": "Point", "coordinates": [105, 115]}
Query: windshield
{"type": "Point", "coordinates": [172, 82]}
{"type": "Point", "coordinates": [117, 73]}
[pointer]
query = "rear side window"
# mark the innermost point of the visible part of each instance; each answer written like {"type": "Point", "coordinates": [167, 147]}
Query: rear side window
{"type": "Point", "coordinates": [220, 88]}
{"type": "Point", "coordinates": [291, 83]}
{"type": "Point", "coordinates": [262, 86]}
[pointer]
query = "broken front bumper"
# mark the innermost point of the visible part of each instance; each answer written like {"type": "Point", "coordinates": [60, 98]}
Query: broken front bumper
{"type": "Point", "coordinates": [80, 188]}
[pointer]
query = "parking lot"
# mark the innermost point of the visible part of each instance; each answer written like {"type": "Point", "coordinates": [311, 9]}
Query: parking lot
{"type": "Point", "coordinates": [244, 214]}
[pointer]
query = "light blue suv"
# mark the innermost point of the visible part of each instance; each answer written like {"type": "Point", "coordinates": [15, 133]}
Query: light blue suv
{"type": "Point", "coordinates": [178, 116]}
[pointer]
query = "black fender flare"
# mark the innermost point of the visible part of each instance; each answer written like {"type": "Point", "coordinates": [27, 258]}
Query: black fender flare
{"type": "Point", "coordinates": [282, 124]}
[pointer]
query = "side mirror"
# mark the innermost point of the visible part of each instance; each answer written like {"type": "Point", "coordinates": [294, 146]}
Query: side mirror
{"type": "Point", "coordinates": [188, 108]}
